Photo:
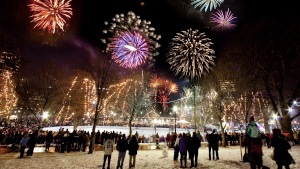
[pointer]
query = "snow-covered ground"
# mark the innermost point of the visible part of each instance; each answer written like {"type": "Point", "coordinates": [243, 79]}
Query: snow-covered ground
{"type": "Point", "coordinates": [146, 131]}
{"type": "Point", "coordinates": [230, 158]}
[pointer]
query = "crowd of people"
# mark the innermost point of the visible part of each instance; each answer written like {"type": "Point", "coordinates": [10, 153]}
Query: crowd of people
{"type": "Point", "coordinates": [185, 144]}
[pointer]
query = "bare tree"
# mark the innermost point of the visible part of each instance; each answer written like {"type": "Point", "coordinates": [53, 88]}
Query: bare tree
{"type": "Point", "coordinates": [275, 57]}
{"type": "Point", "coordinates": [98, 69]}
{"type": "Point", "coordinates": [42, 91]}
{"type": "Point", "coordinates": [203, 106]}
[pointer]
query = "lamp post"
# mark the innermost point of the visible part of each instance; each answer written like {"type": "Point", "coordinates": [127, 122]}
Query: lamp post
{"type": "Point", "coordinates": [175, 110]}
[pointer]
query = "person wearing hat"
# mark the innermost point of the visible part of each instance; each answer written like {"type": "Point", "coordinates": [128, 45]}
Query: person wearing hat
{"type": "Point", "coordinates": [254, 143]}
{"type": "Point", "coordinates": [281, 147]}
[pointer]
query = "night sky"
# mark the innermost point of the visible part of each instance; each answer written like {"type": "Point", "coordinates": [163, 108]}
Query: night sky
{"type": "Point", "coordinates": [85, 27]}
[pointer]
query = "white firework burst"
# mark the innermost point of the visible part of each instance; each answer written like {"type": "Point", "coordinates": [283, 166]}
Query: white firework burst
{"type": "Point", "coordinates": [133, 23]}
{"type": "Point", "coordinates": [190, 54]}
{"type": "Point", "coordinates": [205, 4]}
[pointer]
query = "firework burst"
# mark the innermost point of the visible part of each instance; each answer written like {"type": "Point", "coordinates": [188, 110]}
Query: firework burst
{"type": "Point", "coordinates": [155, 82]}
{"type": "Point", "coordinates": [129, 49]}
{"type": "Point", "coordinates": [190, 54]}
{"type": "Point", "coordinates": [50, 14]}
{"type": "Point", "coordinates": [165, 89]}
{"type": "Point", "coordinates": [205, 4]}
{"type": "Point", "coordinates": [134, 24]}
{"type": "Point", "coordinates": [224, 20]}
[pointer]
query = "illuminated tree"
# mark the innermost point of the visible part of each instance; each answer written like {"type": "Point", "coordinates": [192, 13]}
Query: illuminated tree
{"type": "Point", "coordinates": [274, 58]}
{"type": "Point", "coordinates": [204, 106]}
{"type": "Point", "coordinates": [135, 98]}
{"type": "Point", "coordinates": [8, 97]}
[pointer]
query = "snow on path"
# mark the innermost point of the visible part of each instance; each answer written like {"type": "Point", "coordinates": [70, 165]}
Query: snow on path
{"type": "Point", "coordinates": [230, 158]}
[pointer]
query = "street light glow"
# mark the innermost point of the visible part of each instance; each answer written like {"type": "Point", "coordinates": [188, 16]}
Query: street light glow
{"type": "Point", "coordinates": [175, 108]}
{"type": "Point", "coordinates": [275, 116]}
{"type": "Point", "coordinates": [45, 115]}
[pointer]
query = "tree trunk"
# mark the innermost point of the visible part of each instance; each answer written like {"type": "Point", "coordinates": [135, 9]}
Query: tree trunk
{"type": "Point", "coordinates": [286, 124]}
{"type": "Point", "coordinates": [195, 117]}
{"type": "Point", "coordinates": [91, 147]}
{"type": "Point", "coordinates": [223, 135]}
{"type": "Point", "coordinates": [266, 124]}
{"type": "Point", "coordinates": [130, 129]}
{"type": "Point", "coordinates": [75, 123]}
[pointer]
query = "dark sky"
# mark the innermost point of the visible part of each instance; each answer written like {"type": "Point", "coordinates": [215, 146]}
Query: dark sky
{"type": "Point", "coordinates": [85, 27]}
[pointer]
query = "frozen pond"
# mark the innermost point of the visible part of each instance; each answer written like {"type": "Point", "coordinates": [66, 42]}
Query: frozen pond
{"type": "Point", "coordinates": [146, 131]}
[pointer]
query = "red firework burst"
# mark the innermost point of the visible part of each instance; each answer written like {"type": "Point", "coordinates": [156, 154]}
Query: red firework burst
{"type": "Point", "coordinates": [50, 14]}
{"type": "Point", "coordinates": [155, 82]}
{"type": "Point", "coordinates": [166, 88]}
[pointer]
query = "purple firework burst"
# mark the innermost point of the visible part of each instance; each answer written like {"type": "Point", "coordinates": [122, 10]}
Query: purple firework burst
{"type": "Point", "coordinates": [224, 20]}
{"type": "Point", "coordinates": [129, 49]}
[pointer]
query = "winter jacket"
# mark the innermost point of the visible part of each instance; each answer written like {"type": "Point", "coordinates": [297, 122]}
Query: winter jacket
{"type": "Point", "coordinates": [281, 154]}
{"type": "Point", "coordinates": [32, 140]}
{"type": "Point", "coordinates": [183, 144]}
{"type": "Point", "coordinates": [49, 137]}
{"type": "Point", "coordinates": [108, 147]}
{"type": "Point", "coordinates": [213, 141]}
{"type": "Point", "coordinates": [194, 144]}
{"type": "Point", "coordinates": [24, 141]}
{"type": "Point", "coordinates": [122, 145]}
{"type": "Point", "coordinates": [252, 130]}
{"type": "Point", "coordinates": [133, 147]}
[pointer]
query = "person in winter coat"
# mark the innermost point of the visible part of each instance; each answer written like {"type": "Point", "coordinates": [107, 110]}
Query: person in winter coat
{"type": "Point", "coordinates": [49, 139]}
{"type": "Point", "coordinates": [194, 146]}
{"type": "Point", "coordinates": [122, 146]}
{"type": "Point", "coordinates": [183, 149]}
{"type": "Point", "coordinates": [23, 144]}
{"type": "Point", "coordinates": [85, 141]}
{"type": "Point", "coordinates": [97, 139]}
{"type": "Point", "coordinates": [176, 147]}
{"type": "Point", "coordinates": [213, 144]}
{"type": "Point", "coordinates": [108, 149]}
{"type": "Point", "coordinates": [133, 147]}
{"type": "Point", "coordinates": [31, 143]}
{"type": "Point", "coordinates": [281, 147]}
{"type": "Point", "coordinates": [254, 144]}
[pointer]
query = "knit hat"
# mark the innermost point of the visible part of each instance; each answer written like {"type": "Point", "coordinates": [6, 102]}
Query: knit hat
{"type": "Point", "coordinates": [251, 118]}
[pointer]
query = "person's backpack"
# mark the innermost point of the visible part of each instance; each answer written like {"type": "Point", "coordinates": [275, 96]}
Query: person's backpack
{"type": "Point", "coordinates": [253, 131]}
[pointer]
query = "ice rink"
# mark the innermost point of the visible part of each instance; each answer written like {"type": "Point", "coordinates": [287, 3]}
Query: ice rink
{"type": "Point", "coordinates": [146, 131]}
